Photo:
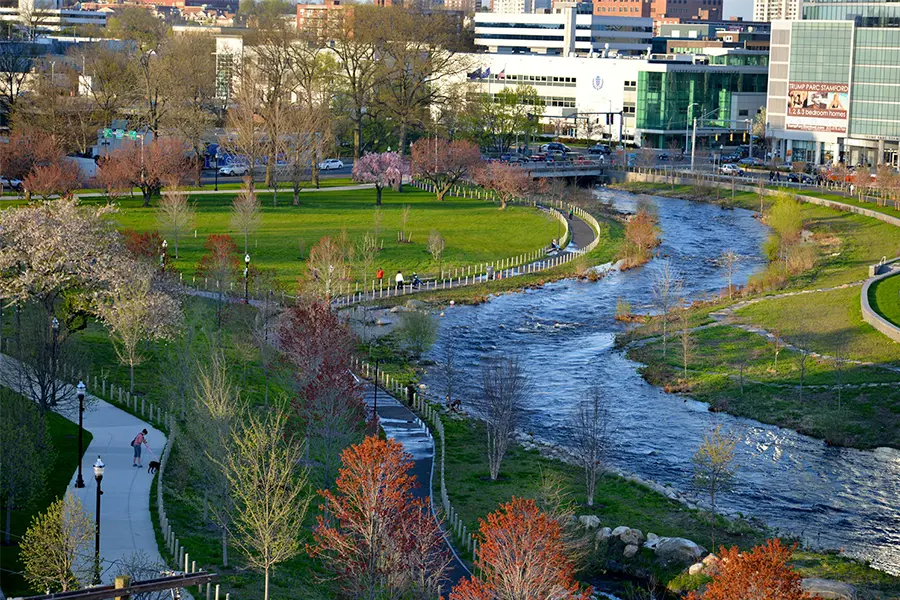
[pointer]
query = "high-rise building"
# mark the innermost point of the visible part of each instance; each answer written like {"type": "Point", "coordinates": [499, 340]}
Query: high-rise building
{"type": "Point", "coordinates": [706, 10]}
{"type": "Point", "coordinates": [771, 10]}
{"type": "Point", "coordinates": [512, 6]}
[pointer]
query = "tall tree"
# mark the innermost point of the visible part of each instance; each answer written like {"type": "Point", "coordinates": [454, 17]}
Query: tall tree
{"type": "Point", "coordinates": [762, 572]}
{"type": "Point", "coordinates": [498, 119]}
{"type": "Point", "coordinates": [384, 169]}
{"type": "Point", "coordinates": [246, 214]}
{"type": "Point", "coordinates": [713, 468]}
{"type": "Point", "coordinates": [377, 539]}
{"type": "Point", "coordinates": [666, 291]}
{"type": "Point", "coordinates": [589, 426]}
{"type": "Point", "coordinates": [504, 389]}
{"type": "Point", "coordinates": [327, 267]}
{"type": "Point", "coordinates": [175, 216]}
{"type": "Point", "coordinates": [444, 163]}
{"type": "Point", "coordinates": [521, 556]}
{"type": "Point", "coordinates": [270, 491]}
{"type": "Point", "coordinates": [55, 549]}
{"type": "Point", "coordinates": [150, 165]}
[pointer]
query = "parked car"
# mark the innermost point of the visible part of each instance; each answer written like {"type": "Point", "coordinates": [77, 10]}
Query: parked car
{"type": "Point", "coordinates": [662, 157]}
{"type": "Point", "coordinates": [12, 183]}
{"type": "Point", "coordinates": [601, 149]}
{"type": "Point", "coordinates": [751, 162]}
{"type": "Point", "coordinates": [731, 169]}
{"type": "Point", "coordinates": [801, 178]}
{"type": "Point", "coordinates": [331, 164]}
{"type": "Point", "coordinates": [554, 147]}
{"type": "Point", "coordinates": [238, 170]}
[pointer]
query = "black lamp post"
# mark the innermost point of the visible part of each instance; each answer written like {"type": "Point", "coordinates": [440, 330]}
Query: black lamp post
{"type": "Point", "coordinates": [162, 254]}
{"type": "Point", "coordinates": [375, 408]}
{"type": "Point", "coordinates": [98, 475]}
{"type": "Point", "coordinates": [246, 278]}
{"type": "Point", "coordinates": [79, 481]}
{"type": "Point", "coordinates": [216, 168]}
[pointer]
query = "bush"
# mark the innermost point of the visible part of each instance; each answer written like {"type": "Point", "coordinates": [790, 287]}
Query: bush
{"type": "Point", "coordinates": [417, 332]}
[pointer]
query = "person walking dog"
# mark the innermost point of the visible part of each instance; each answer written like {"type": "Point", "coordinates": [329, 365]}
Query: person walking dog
{"type": "Point", "coordinates": [138, 441]}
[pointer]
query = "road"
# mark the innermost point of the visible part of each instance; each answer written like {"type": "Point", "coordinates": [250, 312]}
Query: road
{"type": "Point", "coordinates": [209, 175]}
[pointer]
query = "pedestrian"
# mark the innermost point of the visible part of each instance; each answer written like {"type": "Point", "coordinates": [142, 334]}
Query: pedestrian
{"type": "Point", "coordinates": [852, 187]}
{"type": "Point", "coordinates": [571, 213]}
{"type": "Point", "coordinates": [379, 275]}
{"type": "Point", "coordinates": [138, 441]}
{"type": "Point", "coordinates": [399, 280]}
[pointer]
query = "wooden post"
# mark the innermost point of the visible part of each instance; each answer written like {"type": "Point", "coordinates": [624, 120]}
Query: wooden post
{"type": "Point", "coordinates": [123, 581]}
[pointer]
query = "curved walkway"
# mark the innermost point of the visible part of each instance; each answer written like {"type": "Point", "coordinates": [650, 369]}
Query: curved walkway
{"type": "Point", "coordinates": [125, 524]}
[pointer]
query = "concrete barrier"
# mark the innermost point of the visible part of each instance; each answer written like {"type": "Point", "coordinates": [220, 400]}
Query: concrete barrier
{"type": "Point", "coordinates": [869, 315]}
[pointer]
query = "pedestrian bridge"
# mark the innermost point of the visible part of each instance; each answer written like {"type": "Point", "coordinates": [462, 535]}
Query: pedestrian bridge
{"type": "Point", "coordinates": [579, 168]}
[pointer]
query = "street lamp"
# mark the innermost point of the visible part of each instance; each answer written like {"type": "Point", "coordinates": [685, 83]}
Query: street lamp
{"type": "Point", "coordinates": [98, 475]}
{"type": "Point", "coordinates": [687, 125]}
{"type": "Point", "coordinates": [162, 256]}
{"type": "Point", "coordinates": [246, 278]}
{"type": "Point", "coordinates": [79, 481]}
{"type": "Point", "coordinates": [54, 328]}
{"type": "Point", "coordinates": [216, 168]}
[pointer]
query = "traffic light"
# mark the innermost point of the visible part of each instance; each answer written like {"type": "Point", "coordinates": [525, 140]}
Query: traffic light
{"type": "Point", "coordinates": [609, 119]}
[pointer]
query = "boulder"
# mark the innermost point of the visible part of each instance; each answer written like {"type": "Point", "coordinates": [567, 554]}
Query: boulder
{"type": "Point", "coordinates": [397, 309]}
{"type": "Point", "coordinates": [415, 304]}
{"type": "Point", "coordinates": [618, 531]}
{"type": "Point", "coordinates": [604, 534]}
{"type": "Point", "coordinates": [696, 568]}
{"type": "Point", "coordinates": [589, 521]}
{"type": "Point", "coordinates": [829, 589]}
{"type": "Point", "coordinates": [652, 541]}
{"type": "Point", "coordinates": [632, 537]}
{"type": "Point", "coordinates": [678, 550]}
{"type": "Point", "coordinates": [630, 550]}
{"type": "Point", "coordinates": [711, 559]}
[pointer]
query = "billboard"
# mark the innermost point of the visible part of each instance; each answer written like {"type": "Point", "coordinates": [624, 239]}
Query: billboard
{"type": "Point", "coordinates": [817, 107]}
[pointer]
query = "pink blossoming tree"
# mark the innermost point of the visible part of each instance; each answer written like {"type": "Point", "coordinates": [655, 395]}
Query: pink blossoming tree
{"type": "Point", "coordinates": [384, 169]}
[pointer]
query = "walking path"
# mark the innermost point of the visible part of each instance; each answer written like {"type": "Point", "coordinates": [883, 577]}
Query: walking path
{"type": "Point", "coordinates": [401, 424]}
{"type": "Point", "coordinates": [125, 524]}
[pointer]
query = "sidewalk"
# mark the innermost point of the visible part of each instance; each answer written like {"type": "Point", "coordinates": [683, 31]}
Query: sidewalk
{"type": "Point", "coordinates": [125, 525]}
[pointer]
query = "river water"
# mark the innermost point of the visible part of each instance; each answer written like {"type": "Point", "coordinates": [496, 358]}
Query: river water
{"type": "Point", "coordinates": [563, 334]}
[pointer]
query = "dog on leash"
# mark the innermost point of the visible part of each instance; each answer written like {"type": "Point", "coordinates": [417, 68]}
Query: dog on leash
{"type": "Point", "coordinates": [154, 466]}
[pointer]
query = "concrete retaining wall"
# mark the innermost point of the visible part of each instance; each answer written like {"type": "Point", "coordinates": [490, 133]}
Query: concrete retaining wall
{"type": "Point", "coordinates": [868, 313]}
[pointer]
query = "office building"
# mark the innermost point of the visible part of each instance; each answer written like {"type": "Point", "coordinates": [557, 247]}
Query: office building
{"type": "Point", "coordinates": [772, 10]}
{"type": "Point", "coordinates": [834, 86]}
{"type": "Point", "coordinates": [563, 33]}
{"type": "Point", "coordinates": [658, 9]}
{"type": "Point", "coordinates": [512, 6]}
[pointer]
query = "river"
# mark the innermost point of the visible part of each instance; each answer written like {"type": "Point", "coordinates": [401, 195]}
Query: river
{"type": "Point", "coordinates": [563, 334]}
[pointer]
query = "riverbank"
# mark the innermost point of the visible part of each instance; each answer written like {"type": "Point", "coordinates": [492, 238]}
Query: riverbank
{"type": "Point", "coordinates": [828, 358]}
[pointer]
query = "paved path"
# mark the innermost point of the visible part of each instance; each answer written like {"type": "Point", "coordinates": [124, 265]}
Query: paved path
{"type": "Point", "coordinates": [401, 424]}
{"type": "Point", "coordinates": [125, 525]}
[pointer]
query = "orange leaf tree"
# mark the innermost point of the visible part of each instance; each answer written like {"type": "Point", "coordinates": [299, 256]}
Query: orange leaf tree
{"type": "Point", "coordinates": [506, 181]}
{"type": "Point", "coordinates": [760, 574]}
{"type": "Point", "coordinates": [377, 539]}
{"type": "Point", "coordinates": [522, 556]}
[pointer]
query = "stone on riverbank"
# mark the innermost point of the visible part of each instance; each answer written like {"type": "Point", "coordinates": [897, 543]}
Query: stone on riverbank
{"type": "Point", "coordinates": [828, 589]}
{"type": "Point", "coordinates": [630, 551]}
{"type": "Point", "coordinates": [589, 521]}
{"type": "Point", "coordinates": [603, 535]}
{"type": "Point", "coordinates": [678, 550]}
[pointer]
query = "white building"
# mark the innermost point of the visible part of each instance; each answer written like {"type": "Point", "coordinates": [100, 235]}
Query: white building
{"type": "Point", "coordinates": [771, 10]}
{"type": "Point", "coordinates": [562, 34]}
{"type": "Point", "coordinates": [512, 6]}
{"type": "Point", "coordinates": [579, 93]}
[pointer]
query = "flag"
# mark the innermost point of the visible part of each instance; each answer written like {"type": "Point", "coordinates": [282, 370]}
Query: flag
{"type": "Point", "coordinates": [476, 74]}
{"type": "Point", "coordinates": [502, 73]}
{"type": "Point", "coordinates": [486, 73]}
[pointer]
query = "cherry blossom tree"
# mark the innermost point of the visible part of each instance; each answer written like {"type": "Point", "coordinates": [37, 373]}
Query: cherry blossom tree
{"type": "Point", "coordinates": [444, 164]}
{"type": "Point", "coordinates": [522, 554]}
{"type": "Point", "coordinates": [384, 169]}
{"type": "Point", "coordinates": [149, 166]}
{"type": "Point", "coordinates": [762, 572]}
{"type": "Point", "coordinates": [377, 539]}
{"type": "Point", "coordinates": [506, 181]}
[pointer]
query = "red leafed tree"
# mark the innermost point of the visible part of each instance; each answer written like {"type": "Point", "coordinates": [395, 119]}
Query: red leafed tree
{"type": "Point", "coordinates": [25, 150]}
{"type": "Point", "coordinates": [384, 169]}
{"type": "Point", "coordinates": [522, 555]}
{"type": "Point", "coordinates": [444, 164]}
{"type": "Point", "coordinates": [114, 176]}
{"type": "Point", "coordinates": [159, 163]}
{"type": "Point", "coordinates": [316, 347]}
{"type": "Point", "coordinates": [506, 181]}
{"type": "Point", "coordinates": [379, 540]}
{"type": "Point", "coordinates": [146, 245]}
{"type": "Point", "coordinates": [56, 177]}
{"type": "Point", "coordinates": [761, 573]}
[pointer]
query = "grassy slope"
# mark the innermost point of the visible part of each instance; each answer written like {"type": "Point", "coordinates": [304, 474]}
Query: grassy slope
{"type": "Point", "coordinates": [475, 231]}
{"type": "Point", "coordinates": [63, 437]}
{"type": "Point", "coordinates": [884, 297]}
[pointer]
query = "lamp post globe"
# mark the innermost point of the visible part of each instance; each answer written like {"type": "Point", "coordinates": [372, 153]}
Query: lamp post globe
{"type": "Point", "coordinates": [81, 388]}
{"type": "Point", "coordinates": [162, 256]}
{"type": "Point", "coordinates": [246, 278]}
{"type": "Point", "coordinates": [98, 475]}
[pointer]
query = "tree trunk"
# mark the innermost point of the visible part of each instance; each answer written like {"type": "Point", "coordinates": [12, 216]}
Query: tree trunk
{"type": "Point", "coordinates": [131, 376]}
{"type": "Point", "coordinates": [377, 195]}
{"type": "Point", "coordinates": [266, 592]}
{"type": "Point", "coordinates": [198, 172]}
{"type": "Point", "coordinates": [224, 548]}
{"type": "Point", "coordinates": [296, 194]}
{"type": "Point", "coordinates": [402, 147]}
{"type": "Point", "coordinates": [357, 138]}
{"type": "Point", "coordinates": [146, 192]}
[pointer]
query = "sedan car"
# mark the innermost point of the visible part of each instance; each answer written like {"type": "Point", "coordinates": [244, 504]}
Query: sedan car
{"type": "Point", "coordinates": [751, 162]}
{"type": "Point", "coordinates": [331, 164]}
{"type": "Point", "coordinates": [731, 169]}
{"type": "Point", "coordinates": [239, 170]}
{"type": "Point", "coordinates": [12, 183]}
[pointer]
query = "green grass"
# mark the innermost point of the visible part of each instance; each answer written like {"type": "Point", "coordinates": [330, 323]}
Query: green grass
{"type": "Point", "coordinates": [884, 298]}
{"type": "Point", "coordinates": [62, 434]}
{"type": "Point", "coordinates": [475, 231]}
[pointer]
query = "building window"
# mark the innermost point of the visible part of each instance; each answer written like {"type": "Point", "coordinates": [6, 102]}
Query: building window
{"type": "Point", "coordinates": [743, 113]}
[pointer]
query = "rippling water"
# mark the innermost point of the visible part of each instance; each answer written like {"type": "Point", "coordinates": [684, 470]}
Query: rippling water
{"type": "Point", "coordinates": [563, 333]}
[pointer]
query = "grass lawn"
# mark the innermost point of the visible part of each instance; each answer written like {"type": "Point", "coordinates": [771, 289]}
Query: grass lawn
{"type": "Point", "coordinates": [62, 434]}
{"type": "Point", "coordinates": [475, 231]}
{"type": "Point", "coordinates": [884, 297]}
{"type": "Point", "coordinates": [860, 417]}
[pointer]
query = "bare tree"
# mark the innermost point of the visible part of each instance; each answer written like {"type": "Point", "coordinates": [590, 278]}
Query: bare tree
{"type": "Point", "coordinates": [366, 249]}
{"type": "Point", "coordinates": [728, 260]}
{"type": "Point", "coordinates": [178, 369]}
{"type": "Point", "coordinates": [327, 267]}
{"type": "Point", "coordinates": [448, 371]}
{"type": "Point", "coordinates": [417, 332]}
{"type": "Point", "coordinates": [666, 290]}
{"type": "Point", "coordinates": [504, 388]}
{"type": "Point", "coordinates": [803, 356]}
{"type": "Point", "coordinates": [246, 214]}
{"type": "Point", "coordinates": [140, 566]}
{"type": "Point", "coordinates": [713, 468]}
{"type": "Point", "coordinates": [436, 246]}
{"type": "Point", "coordinates": [264, 328]}
{"type": "Point", "coordinates": [175, 216]}
{"type": "Point", "coordinates": [841, 360]}
{"type": "Point", "coordinates": [589, 425]}
{"type": "Point", "coordinates": [218, 407]}
{"type": "Point", "coordinates": [56, 548]}
{"type": "Point", "coordinates": [687, 340]}
{"type": "Point", "coordinates": [404, 219]}
{"type": "Point", "coordinates": [270, 492]}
